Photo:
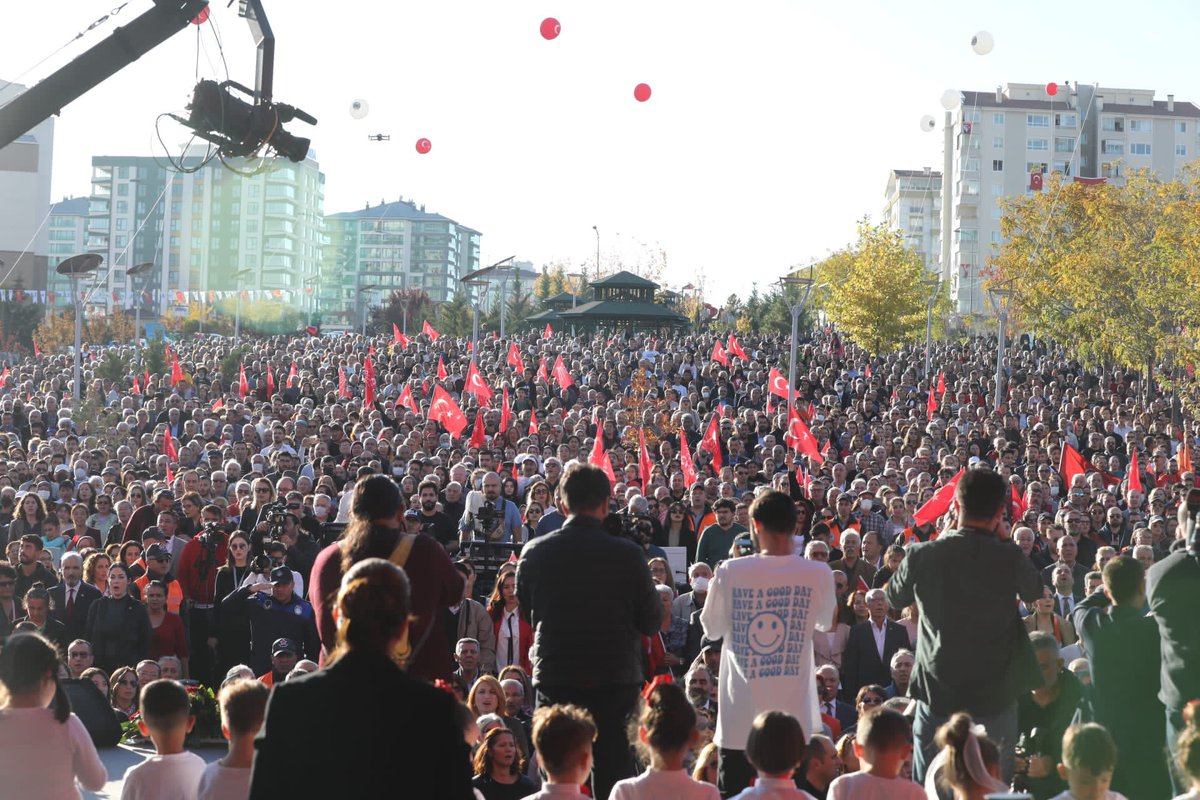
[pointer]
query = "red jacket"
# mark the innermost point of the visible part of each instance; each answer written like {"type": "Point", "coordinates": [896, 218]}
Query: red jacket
{"type": "Point", "coordinates": [524, 640]}
{"type": "Point", "coordinates": [187, 571]}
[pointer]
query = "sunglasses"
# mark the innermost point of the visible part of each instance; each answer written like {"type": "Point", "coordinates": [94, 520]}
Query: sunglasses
{"type": "Point", "coordinates": [123, 682]}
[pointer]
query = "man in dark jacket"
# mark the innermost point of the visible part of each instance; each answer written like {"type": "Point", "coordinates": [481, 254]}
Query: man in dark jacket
{"type": "Point", "coordinates": [588, 625]}
{"type": "Point", "coordinates": [276, 612]}
{"type": "Point", "coordinates": [1123, 646]}
{"type": "Point", "coordinates": [71, 599]}
{"type": "Point", "coordinates": [973, 653]}
{"type": "Point", "coordinates": [870, 647]}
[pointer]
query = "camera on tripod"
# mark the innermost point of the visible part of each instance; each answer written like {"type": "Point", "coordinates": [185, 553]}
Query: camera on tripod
{"type": "Point", "coordinates": [487, 522]}
{"type": "Point", "coordinates": [637, 528]}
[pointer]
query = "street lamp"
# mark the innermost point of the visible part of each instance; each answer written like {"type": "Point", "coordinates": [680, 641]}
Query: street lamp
{"type": "Point", "coordinates": [478, 286]}
{"type": "Point", "coordinates": [805, 287]}
{"type": "Point", "coordinates": [1000, 299]}
{"type": "Point", "coordinates": [362, 290]}
{"type": "Point", "coordinates": [597, 230]}
{"type": "Point", "coordinates": [931, 286]}
{"type": "Point", "coordinates": [74, 268]}
{"type": "Point", "coordinates": [313, 280]}
{"type": "Point", "coordinates": [574, 276]}
{"type": "Point", "coordinates": [237, 312]}
{"type": "Point", "coordinates": [134, 272]}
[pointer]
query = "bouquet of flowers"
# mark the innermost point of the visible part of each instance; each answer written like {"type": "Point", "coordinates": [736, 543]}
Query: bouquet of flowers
{"type": "Point", "coordinates": [203, 707]}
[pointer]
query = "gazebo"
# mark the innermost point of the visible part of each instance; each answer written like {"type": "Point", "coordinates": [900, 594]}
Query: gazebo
{"type": "Point", "coordinates": [553, 306]}
{"type": "Point", "coordinates": [623, 301]}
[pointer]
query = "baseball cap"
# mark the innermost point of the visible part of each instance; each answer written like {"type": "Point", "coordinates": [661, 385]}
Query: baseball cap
{"type": "Point", "coordinates": [281, 576]}
{"type": "Point", "coordinates": [708, 645]}
{"type": "Point", "coordinates": [156, 552]}
{"type": "Point", "coordinates": [412, 513]}
{"type": "Point", "coordinates": [283, 645]}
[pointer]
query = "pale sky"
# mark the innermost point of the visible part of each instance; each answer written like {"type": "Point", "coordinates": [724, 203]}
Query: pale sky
{"type": "Point", "coordinates": [770, 131]}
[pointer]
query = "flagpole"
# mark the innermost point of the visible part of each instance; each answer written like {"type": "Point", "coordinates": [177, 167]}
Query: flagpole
{"type": "Point", "coordinates": [797, 309]}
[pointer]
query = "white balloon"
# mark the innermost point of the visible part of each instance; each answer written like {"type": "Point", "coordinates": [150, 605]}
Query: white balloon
{"type": "Point", "coordinates": [359, 109]}
{"type": "Point", "coordinates": [951, 99]}
{"type": "Point", "coordinates": [982, 43]}
{"type": "Point", "coordinates": [928, 123]}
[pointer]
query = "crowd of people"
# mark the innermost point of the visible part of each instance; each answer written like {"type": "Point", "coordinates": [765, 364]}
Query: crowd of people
{"type": "Point", "coordinates": [537, 566]}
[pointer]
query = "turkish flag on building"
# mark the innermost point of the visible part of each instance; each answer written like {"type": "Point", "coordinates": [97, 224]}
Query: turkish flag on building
{"type": "Point", "coordinates": [777, 384]}
{"type": "Point", "coordinates": [477, 386]}
{"type": "Point", "coordinates": [561, 374]}
{"type": "Point", "coordinates": [939, 504]}
{"type": "Point", "coordinates": [514, 358]}
{"type": "Point", "coordinates": [428, 330]}
{"type": "Point", "coordinates": [712, 440]}
{"type": "Point", "coordinates": [443, 409]}
{"type": "Point", "coordinates": [1035, 181]}
{"type": "Point", "coordinates": [719, 355]}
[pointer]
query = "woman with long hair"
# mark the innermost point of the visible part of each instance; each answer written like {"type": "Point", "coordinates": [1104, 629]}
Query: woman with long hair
{"type": "Point", "coordinates": [79, 524]}
{"type": "Point", "coordinates": [232, 626]}
{"type": "Point", "coordinates": [31, 510]}
{"type": "Point", "coordinates": [360, 685]}
{"type": "Point", "coordinates": [123, 692]}
{"type": "Point", "coordinates": [514, 636]}
{"type": "Point", "coordinates": [254, 518]}
{"type": "Point", "coordinates": [167, 636]}
{"type": "Point", "coordinates": [530, 519]}
{"type": "Point", "coordinates": [1044, 618]}
{"type": "Point", "coordinates": [95, 570]}
{"type": "Point", "coordinates": [117, 624]}
{"type": "Point", "coordinates": [498, 768]}
{"type": "Point", "coordinates": [678, 531]}
{"type": "Point", "coordinates": [42, 752]}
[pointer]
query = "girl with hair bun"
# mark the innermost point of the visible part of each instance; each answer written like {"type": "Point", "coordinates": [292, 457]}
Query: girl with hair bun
{"type": "Point", "coordinates": [1187, 753]}
{"type": "Point", "coordinates": [665, 733]}
{"type": "Point", "coordinates": [42, 752]}
{"type": "Point", "coordinates": [969, 762]}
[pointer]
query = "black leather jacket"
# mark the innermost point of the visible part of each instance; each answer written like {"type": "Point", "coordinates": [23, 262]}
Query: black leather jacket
{"type": "Point", "coordinates": [590, 600]}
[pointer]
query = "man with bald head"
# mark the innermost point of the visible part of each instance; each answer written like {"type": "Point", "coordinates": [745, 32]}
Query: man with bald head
{"type": "Point", "coordinates": [500, 520]}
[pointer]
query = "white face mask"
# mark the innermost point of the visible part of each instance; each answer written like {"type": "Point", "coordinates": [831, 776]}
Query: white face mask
{"type": "Point", "coordinates": [397, 470]}
{"type": "Point", "coordinates": [1054, 491]}
{"type": "Point", "coordinates": [700, 584]}
{"type": "Point", "coordinates": [320, 512]}
{"type": "Point", "coordinates": [44, 494]}
{"type": "Point", "coordinates": [865, 504]}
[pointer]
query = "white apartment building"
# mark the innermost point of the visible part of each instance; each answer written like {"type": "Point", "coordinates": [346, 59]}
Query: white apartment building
{"type": "Point", "coordinates": [25, 167]}
{"type": "Point", "coordinates": [913, 205]}
{"type": "Point", "coordinates": [1002, 139]}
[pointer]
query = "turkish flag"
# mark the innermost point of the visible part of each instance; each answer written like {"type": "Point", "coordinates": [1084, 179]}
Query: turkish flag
{"type": "Point", "coordinates": [505, 411]}
{"type": "Point", "coordinates": [643, 459]}
{"type": "Point", "coordinates": [931, 404]}
{"type": "Point", "coordinates": [134, 390]}
{"type": "Point", "coordinates": [734, 348]}
{"type": "Point", "coordinates": [441, 370]}
{"type": "Point", "coordinates": [1019, 504]}
{"type": "Point", "coordinates": [542, 373]}
{"type": "Point", "coordinates": [292, 375]}
{"type": "Point", "coordinates": [443, 409]}
{"type": "Point", "coordinates": [1071, 464]}
{"type": "Point", "coordinates": [217, 405]}
{"type": "Point", "coordinates": [549, 332]}
{"type": "Point", "coordinates": [478, 437]}
{"type": "Point", "coordinates": [243, 384]}
{"type": "Point", "coordinates": [477, 386]}
{"type": "Point", "coordinates": [369, 382]}
{"type": "Point", "coordinates": [712, 440]}
{"type": "Point", "coordinates": [270, 381]}
{"type": "Point", "coordinates": [169, 446]}
{"type": "Point", "coordinates": [533, 426]}
{"type": "Point", "coordinates": [606, 465]}
{"type": "Point", "coordinates": [343, 389]}
{"type": "Point", "coordinates": [514, 358]}
{"type": "Point", "coordinates": [176, 370]}
{"type": "Point", "coordinates": [1184, 456]}
{"type": "Point", "coordinates": [825, 449]}
{"type": "Point", "coordinates": [1135, 474]}
{"type": "Point", "coordinates": [561, 374]}
{"type": "Point", "coordinates": [428, 330]}
{"type": "Point", "coordinates": [406, 399]}
{"type": "Point", "coordinates": [777, 384]}
{"type": "Point", "coordinates": [396, 335]}
{"type": "Point", "coordinates": [597, 448]}
{"type": "Point", "coordinates": [941, 388]}
{"type": "Point", "coordinates": [719, 355]}
{"type": "Point", "coordinates": [800, 438]}
{"type": "Point", "coordinates": [939, 504]}
{"type": "Point", "coordinates": [686, 462]}
{"type": "Point", "coordinates": [1035, 181]}
{"type": "Point", "coordinates": [170, 475]}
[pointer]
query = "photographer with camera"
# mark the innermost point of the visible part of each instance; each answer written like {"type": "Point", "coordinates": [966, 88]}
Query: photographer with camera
{"type": "Point", "coordinates": [488, 516]}
{"type": "Point", "coordinates": [588, 624]}
{"type": "Point", "coordinates": [1173, 590]}
{"type": "Point", "coordinates": [196, 572]}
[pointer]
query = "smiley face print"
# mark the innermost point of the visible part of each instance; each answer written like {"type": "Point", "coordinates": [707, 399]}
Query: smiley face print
{"type": "Point", "coordinates": [767, 633]}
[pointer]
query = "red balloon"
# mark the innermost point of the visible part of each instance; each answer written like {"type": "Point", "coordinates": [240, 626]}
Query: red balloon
{"type": "Point", "coordinates": [424, 146]}
{"type": "Point", "coordinates": [1052, 89]}
{"type": "Point", "coordinates": [641, 92]}
{"type": "Point", "coordinates": [550, 28]}
{"type": "Point", "coordinates": [202, 17]}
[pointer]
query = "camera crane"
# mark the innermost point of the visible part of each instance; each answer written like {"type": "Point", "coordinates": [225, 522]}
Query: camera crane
{"type": "Point", "coordinates": [235, 126]}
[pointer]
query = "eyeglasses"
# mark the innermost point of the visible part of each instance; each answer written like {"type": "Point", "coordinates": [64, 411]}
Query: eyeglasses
{"type": "Point", "coordinates": [872, 700]}
{"type": "Point", "coordinates": [239, 546]}
{"type": "Point", "coordinates": [123, 682]}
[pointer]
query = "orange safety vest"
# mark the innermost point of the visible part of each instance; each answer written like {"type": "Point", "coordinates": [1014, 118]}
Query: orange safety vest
{"type": "Point", "coordinates": [836, 530]}
{"type": "Point", "coordinates": [174, 593]}
{"type": "Point", "coordinates": [910, 536]}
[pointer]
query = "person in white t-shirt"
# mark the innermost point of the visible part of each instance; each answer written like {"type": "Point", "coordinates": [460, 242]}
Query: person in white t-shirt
{"type": "Point", "coordinates": [767, 608]}
{"type": "Point", "coordinates": [666, 733]}
{"type": "Point", "coordinates": [562, 736]}
{"type": "Point", "coordinates": [883, 742]}
{"type": "Point", "coordinates": [1089, 755]}
{"type": "Point", "coordinates": [243, 705]}
{"type": "Point", "coordinates": [775, 749]}
{"type": "Point", "coordinates": [171, 773]}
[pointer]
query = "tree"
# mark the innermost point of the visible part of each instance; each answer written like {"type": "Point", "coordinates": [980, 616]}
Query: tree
{"type": "Point", "coordinates": [880, 303]}
{"type": "Point", "coordinates": [541, 285]}
{"type": "Point", "coordinates": [18, 321]}
{"type": "Point", "coordinates": [56, 332]}
{"type": "Point", "coordinates": [114, 368]}
{"type": "Point", "coordinates": [1111, 270]}
{"type": "Point", "coordinates": [200, 318]}
{"type": "Point", "coordinates": [455, 317]}
{"type": "Point", "coordinates": [154, 356]}
{"type": "Point", "coordinates": [413, 300]}
{"type": "Point", "coordinates": [264, 317]}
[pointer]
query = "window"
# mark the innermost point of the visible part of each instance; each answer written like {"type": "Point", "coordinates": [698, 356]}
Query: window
{"type": "Point", "coordinates": [971, 165]}
{"type": "Point", "coordinates": [1037, 144]}
{"type": "Point", "coordinates": [122, 189]}
{"type": "Point", "coordinates": [1110, 147]}
{"type": "Point", "coordinates": [1037, 120]}
{"type": "Point", "coordinates": [997, 190]}
{"type": "Point", "coordinates": [122, 207]}
{"type": "Point", "coordinates": [1140, 126]}
{"type": "Point", "coordinates": [997, 165]}
{"type": "Point", "coordinates": [1036, 166]}
{"type": "Point", "coordinates": [998, 118]}
{"type": "Point", "coordinates": [998, 142]}
{"type": "Point", "coordinates": [970, 188]}
{"type": "Point", "coordinates": [1063, 166]}
{"type": "Point", "coordinates": [997, 238]}
{"type": "Point", "coordinates": [174, 224]}
{"type": "Point", "coordinates": [1139, 148]}
{"type": "Point", "coordinates": [195, 243]}
{"type": "Point", "coordinates": [119, 240]}
{"type": "Point", "coordinates": [1064, 144]}
{"type": "Point", "coordinates": [1110, 169]}
{"type": "Point", "coordinates": [1112, 124]}
{"type": "Point", "coordinates": [971, 116]}
{"type": "Point", "coordinates": [968, 236]}
{"type": "Point", "coordinates": [1065, 120]}
{"type": "Point", "coordinates": [1181, 149]}
{"type": "Point", "coordinates": [122, 224]}
{"type": "Point", "coordinates": [1181, 127]}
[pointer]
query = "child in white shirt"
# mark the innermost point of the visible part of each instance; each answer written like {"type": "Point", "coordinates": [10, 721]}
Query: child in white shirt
{"type": "Point", "coordinates": [666, 732]}
{"type": "Point", "coordinates": [171, 773]}
{"type": "Point", "coordinates": [1089, 756]}
{"type": "Point", "coordinates": [775, 749]}
{"type": "Point", "coordinates": [562, 739]}
{"type": "Point", "coordinates": [243, 705]}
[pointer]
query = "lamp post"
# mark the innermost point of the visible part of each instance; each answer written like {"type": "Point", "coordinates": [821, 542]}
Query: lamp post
{"type": "Point", "coordinates": [313, 280]}
{"type": "Point", "coordinates": [804, 287]}
{"type": "Point", "coordinates": [135, 271]}
{"type": "Point", "coordinates": [575, 276]}
{"type": "Point", "coordinates": [362, 290]}
{"type": "Point", "coordinates": [237, 304]}
{"type": "Point", "coordinates": [1000, 298]}
{"type": "Point", "coordinates": [478, 286]}
{"type": "Point", "coordinates": [74, 268]}
{"type": "Point", "coordinates": [597, 230]}
{"type": "Point", "coordinates": [931, 286]}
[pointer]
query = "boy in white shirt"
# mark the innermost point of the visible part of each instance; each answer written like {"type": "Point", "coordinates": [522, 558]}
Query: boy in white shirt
{"type": "Point", "coordinates": [171, 773]}
{"type": "Point", "coordinates": [562, 737]}
{"type": "Point", "coordinates": [1089, 756]}
{"type": "Point", "coordinates": [243, 705]}
{"type": "Point", "coordinates": [883, 742]}
{"type": "Point", "coordinates": [775, 749]}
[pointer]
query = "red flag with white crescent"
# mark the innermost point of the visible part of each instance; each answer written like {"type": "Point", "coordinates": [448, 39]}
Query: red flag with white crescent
{"type": "Point", "coordinates": [478, 436]}
{"type": "Point", "coordinates": [777, 383]}
{"type": "Point", "coordinates": [719, 355]}
{"type": "Point", "coordinates": [561, 374]}
{"type": "Point", "coordinates": [505, 410]}
{"type": "Point", "coordinates": [406, 399]}
{"type": "Point", "coordinates": [514, 358]}
{"type": "Point", "coordinates": [734, 348]}
{"type": "Point", "coordinates": [939, 504]}
{"type": "Point", "coordinates": [712, 440]}
{"type": "Point", "coordinates": [443, 409]}
{"type": "Point", "coordinates": [476, 385]}
{"type": "Point", "coordinates": [542, 373]}
{"type": "Point", "coordinates": [549, 331]}
{"type": "Point", "coordinates": [686, 462]}
{"type": "Point", "coordinates": [800, 438]}
{"type": "Point", "coordinates": [428, 330]}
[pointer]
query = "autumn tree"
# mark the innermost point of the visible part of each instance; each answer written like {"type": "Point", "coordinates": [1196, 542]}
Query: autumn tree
{"type": "Point", "coordinates": [1110, 270]}
{"type": "Point", "coordinates": [413, 301]}
{"type": "Point", "coordinates": [879, 300]}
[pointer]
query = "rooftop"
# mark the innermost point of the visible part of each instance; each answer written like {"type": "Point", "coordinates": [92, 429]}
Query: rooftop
{"type": "Point", "coordinates": [71, 207]}
{"type": "Point", "coordinates": [625, 280]}
{"type": "Point", "coordinates": [401, 209]}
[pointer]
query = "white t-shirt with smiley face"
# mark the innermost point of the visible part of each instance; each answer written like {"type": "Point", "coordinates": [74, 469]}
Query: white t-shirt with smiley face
{"type": "Point", "coordinates": [766, 609]}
